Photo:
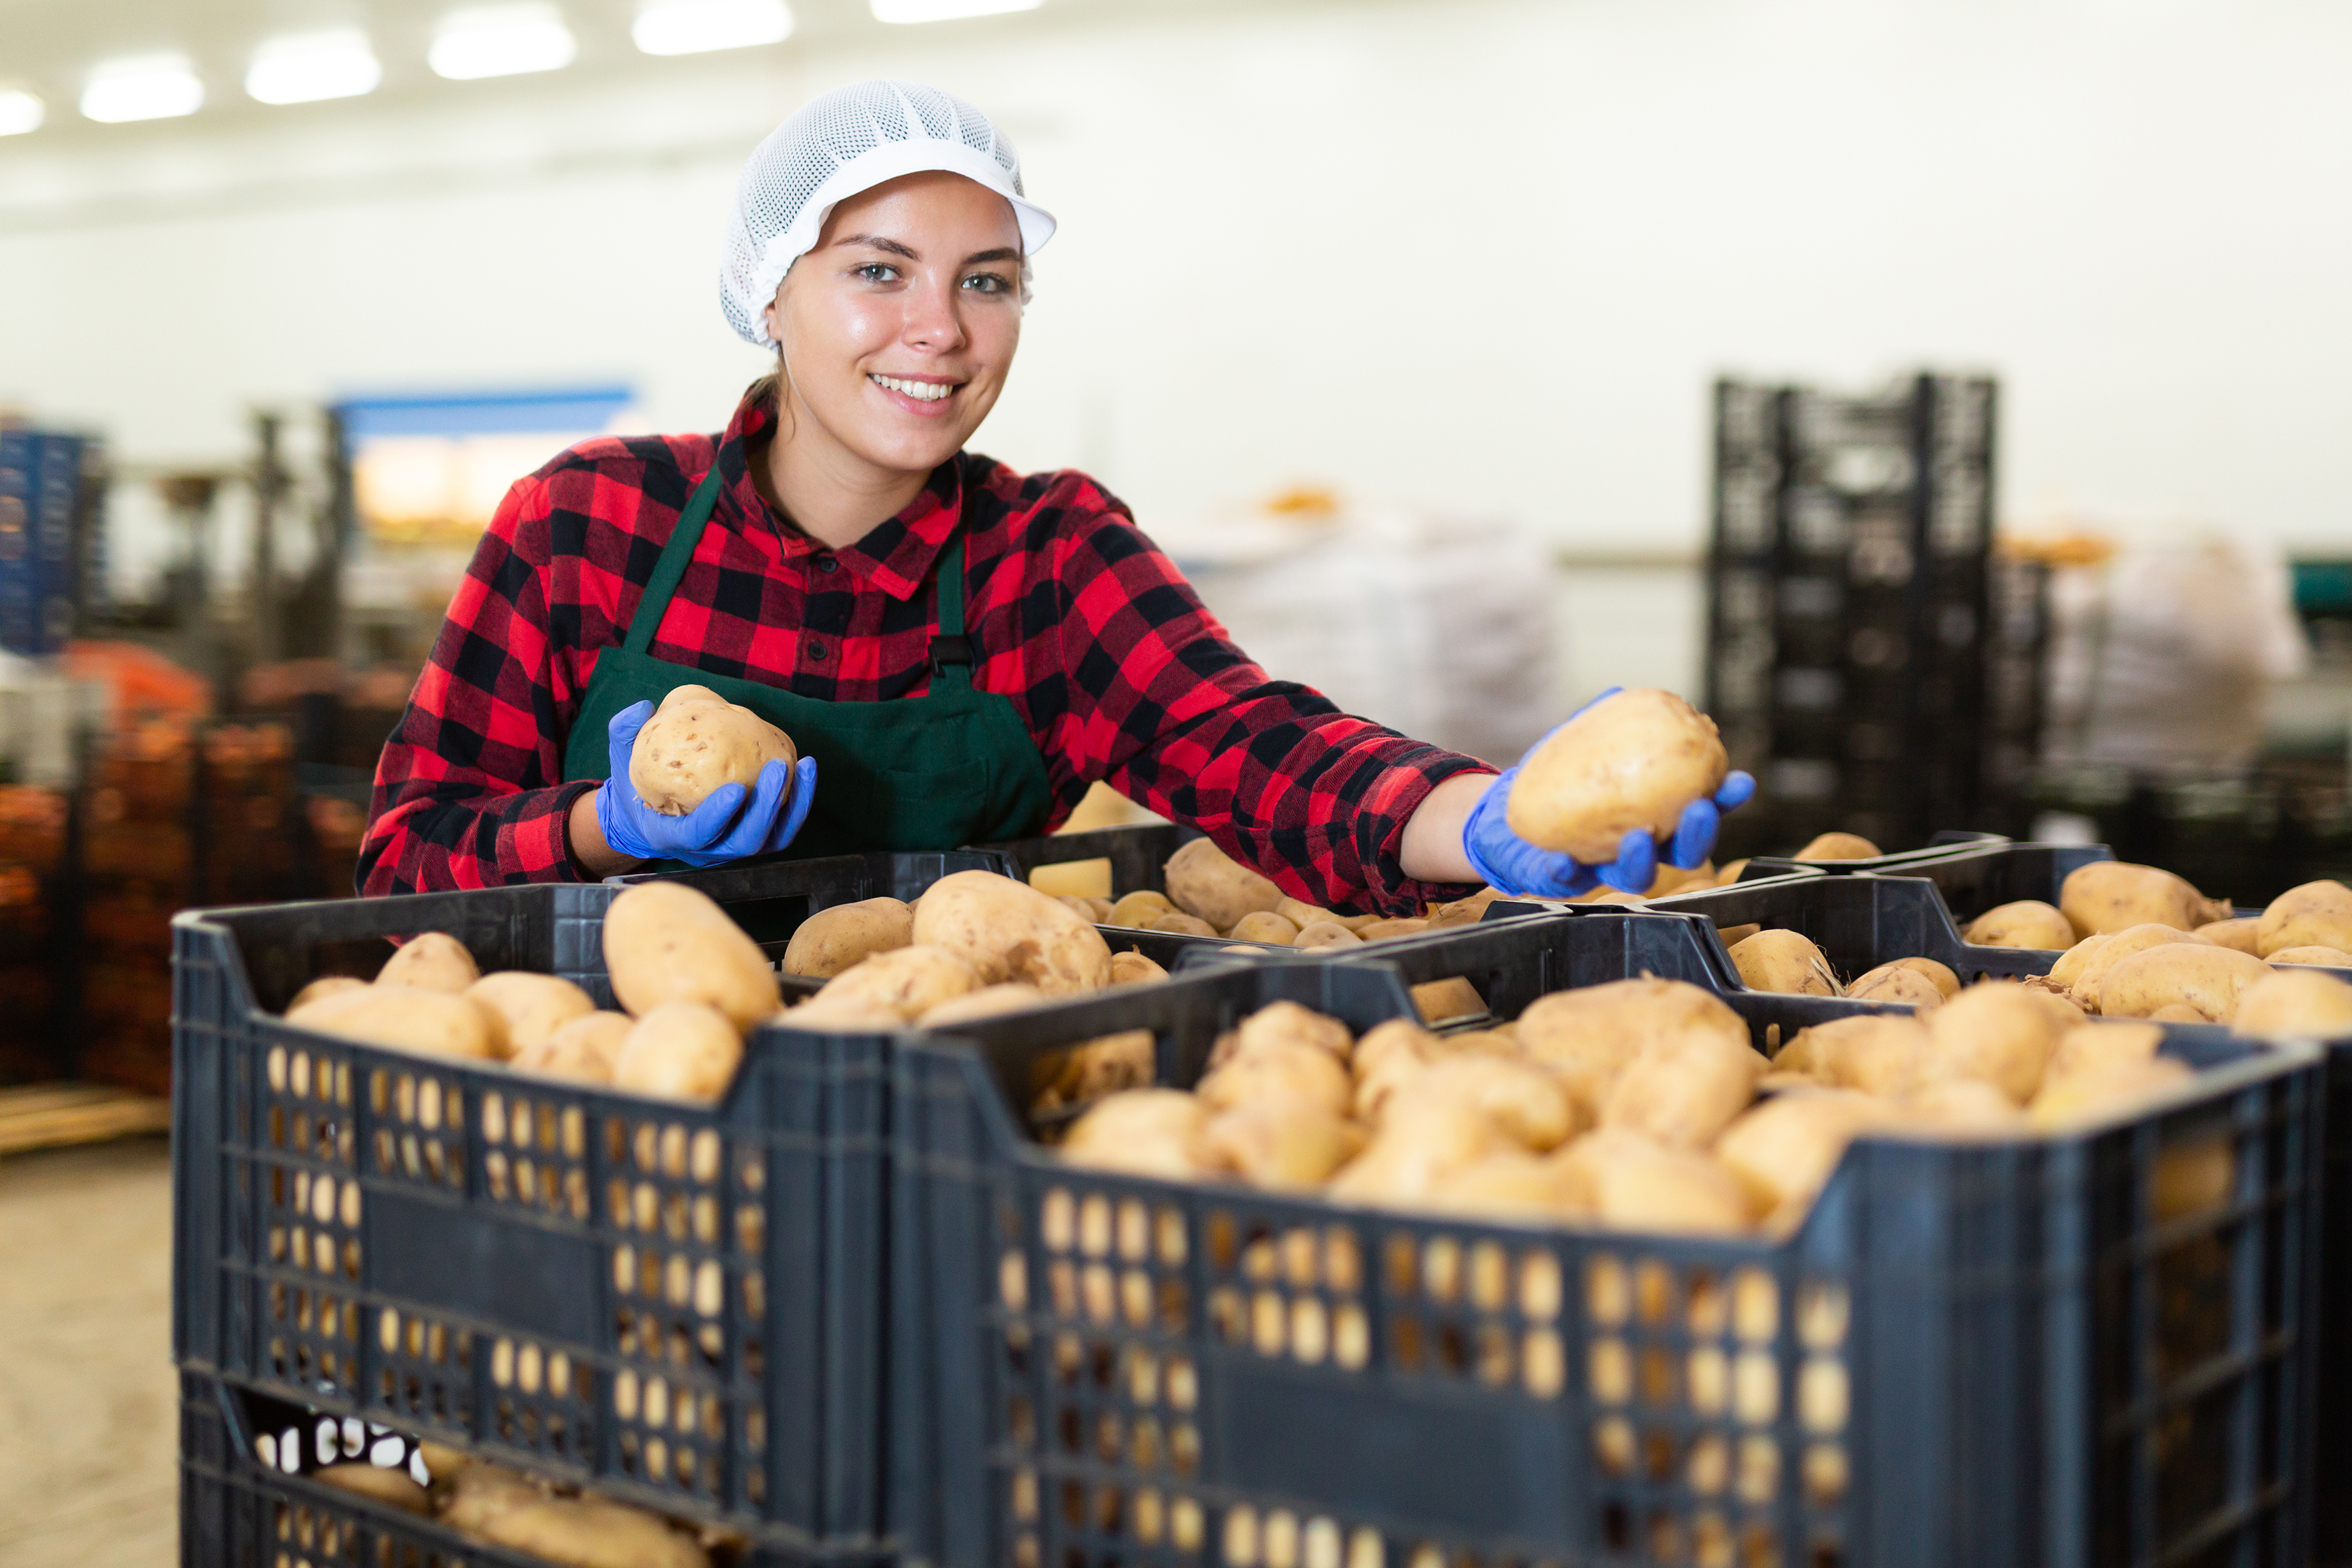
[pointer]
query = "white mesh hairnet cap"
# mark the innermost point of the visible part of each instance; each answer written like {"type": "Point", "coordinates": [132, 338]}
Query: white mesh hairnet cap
{"type": "Point", "coordinates": [851, 140]}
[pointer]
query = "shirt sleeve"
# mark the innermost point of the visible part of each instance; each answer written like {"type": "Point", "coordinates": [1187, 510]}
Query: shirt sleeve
{"type": "Point", "coordinates": [1164, 706]}
{"type": "Point", "coordinates": [469, 792]}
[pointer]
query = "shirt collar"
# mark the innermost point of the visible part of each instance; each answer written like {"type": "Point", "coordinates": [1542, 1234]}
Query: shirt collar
{"type": "Point", "coordinates": [895, 556]}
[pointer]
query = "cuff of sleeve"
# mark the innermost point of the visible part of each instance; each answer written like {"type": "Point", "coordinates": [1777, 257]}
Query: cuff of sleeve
{"type": "Point", "coordinates": [1395, 893]}
{"type": "Point", "coordinates": [545, 842]}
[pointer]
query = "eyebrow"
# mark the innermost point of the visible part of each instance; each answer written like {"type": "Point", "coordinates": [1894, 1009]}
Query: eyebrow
{"type": "Point", "coordinates": [877, 242]}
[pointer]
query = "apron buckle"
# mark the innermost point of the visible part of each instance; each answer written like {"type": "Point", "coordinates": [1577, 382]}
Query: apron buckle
{"type": "Point", "coordinates": [946, 650]}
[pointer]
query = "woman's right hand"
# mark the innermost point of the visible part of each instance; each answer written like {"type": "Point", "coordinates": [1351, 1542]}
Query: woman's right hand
{"type": "Point", "coordinates": [731, 824]}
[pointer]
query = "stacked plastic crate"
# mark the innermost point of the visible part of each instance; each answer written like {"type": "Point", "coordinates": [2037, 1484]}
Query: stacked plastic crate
{"type": "Point", "coordinates": [41, 501]}
{"type": "Point", "coordinates": [1868, 659]}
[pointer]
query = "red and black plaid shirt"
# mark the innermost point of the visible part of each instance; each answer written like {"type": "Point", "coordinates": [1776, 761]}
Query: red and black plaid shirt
{"type": "Point", "coordinates": [1118, 670]}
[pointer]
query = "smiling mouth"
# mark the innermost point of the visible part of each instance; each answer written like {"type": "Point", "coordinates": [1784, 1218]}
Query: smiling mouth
{"type": "Point", "coordinates": [921, 391]}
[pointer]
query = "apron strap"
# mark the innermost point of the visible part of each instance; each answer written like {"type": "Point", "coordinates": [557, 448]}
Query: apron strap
{"type": "Point", "coordinates": [950, 649]}
{"type": "Point", "coordinates": [675, 556]}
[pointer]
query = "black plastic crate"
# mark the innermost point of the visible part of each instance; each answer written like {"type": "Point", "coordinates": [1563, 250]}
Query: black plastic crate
{"type": "Point", "coordinates": [247, 1496]}
{"type": "Point", "coordinates": [1995, 1354]}
{"type": "Point", "coordinates": [1940, 847]}
{"type": "Point", "coordinates": [680, 1304]}
{"type": "Point", "coordinates": [1861, 922]}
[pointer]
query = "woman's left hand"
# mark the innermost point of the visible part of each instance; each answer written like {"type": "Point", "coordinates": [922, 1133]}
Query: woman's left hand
{"type": "Point", "coordinates": [1512, 864]}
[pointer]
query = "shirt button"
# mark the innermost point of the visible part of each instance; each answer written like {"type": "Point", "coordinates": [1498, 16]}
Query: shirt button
{"type": "Point", "coordinates": [827, 564]}
{"type": "Point", "coordinates": [816, 650]}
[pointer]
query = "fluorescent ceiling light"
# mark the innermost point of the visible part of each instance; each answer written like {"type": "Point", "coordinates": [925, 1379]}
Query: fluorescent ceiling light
{"type": "Point", "coordinates": [156, 87]}
{"type": "Point", "coordinates": [310, 67]}
{"type": "Point", "coordinates": [692, 26]}
{"type": "Point", "coordinates": [504, 40]}
{"type": "Point", "coordinates": [945, 10]}
{"type": "Point", "coordinates": [20, 111]}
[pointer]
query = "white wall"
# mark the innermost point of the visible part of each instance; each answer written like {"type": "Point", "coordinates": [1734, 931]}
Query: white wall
{"type": "Point", "coordinates": [1484, 255]}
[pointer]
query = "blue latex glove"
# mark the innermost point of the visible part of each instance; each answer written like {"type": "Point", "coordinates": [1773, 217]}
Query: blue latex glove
{"type": "Point", "coordinates": [731, 824]}
{"type": "Point", "coordinates": [1512, 864]}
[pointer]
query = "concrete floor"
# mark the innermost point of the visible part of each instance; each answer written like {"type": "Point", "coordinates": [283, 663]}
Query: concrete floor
{"type": "Point", "coordinates": [89, 1408]}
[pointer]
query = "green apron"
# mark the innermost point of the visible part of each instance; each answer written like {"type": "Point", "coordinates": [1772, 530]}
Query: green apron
{"type": "Point", "coordinates": [951, 767]}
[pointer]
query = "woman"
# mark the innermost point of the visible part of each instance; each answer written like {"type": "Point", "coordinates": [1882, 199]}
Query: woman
{"type": "Point", "coordinates": [958, 650]}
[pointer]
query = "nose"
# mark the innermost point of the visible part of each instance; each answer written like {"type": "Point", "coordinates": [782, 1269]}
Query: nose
{"type": "Point", "coordinates": [932, 323]}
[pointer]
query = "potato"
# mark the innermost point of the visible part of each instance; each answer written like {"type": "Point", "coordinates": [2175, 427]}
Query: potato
{"type": "Point", "coordinates": [1326, 933]}
{"type": "Point", "coordinates": [1961, 1107]}
{"type": "Point", "coordinates": [2333, 958]}
{"type": "Point", "coordinates": [377, 1483]}
{"type": "Point", "coordinates": [1630, 761]}
{"type": "Point", "coordinates": [1298, 1070]}
{"type": "Point", "coordinates": [988, 1002]}
{"type": "Point", "coordinates": [1289, 1023]}
{"type": "Point", "coordinates": [2069, 967]}
{"type": "Point", "coordinates": [680, 1050]}
{"type": "Point", "coordinates": [2110, 895]}
{"type": "Point", "coordinates": [1007, 930]}
{"type": "Point", "coordinates": [2241, 932]}
{"type": "Point", "coordinates": [830, 940]}
{"type": "Point", "coordinates": [1672, 879]}
{"type": "Point", "coordinates": [1785, 961]}
{"type": "Point", "coordinates": [1145, 1132]}
{"type": "Point", "coordinates": [1176, 922]}
{"type": "Point", "coordinates": [431, 961]}
{"type": "Point", "coordinates": [2090, 1047]}
{"type": "Point", "coordinates": [1134, 968]}
{"type": "Point", "coordinates": [1996, 1031]}
{"type": "Point", "coordinates": [2316, 914]}
{"type": "Point", "coordinates": [1466, 911]}
{"type": "Point", "coordinates": [907, 981]}
{"type": "Point", "coordinates": [1204, 883]}
{"type": "Point", "coordinates": [1381, 930]}
{"type": "Point", "coordinates": [1611, 1024]}
{"type": "Point", "coordinates": [1529, 1106]}
{"type": "Point", "coordinates": [528, 1007]}
{"type": "Point", "coordinates": [1784, 1150]}
{"type": "Point", "coordinates": [1897, 982]}
{"type": "Point", "coordinates": [2094, 1093]}
{"type": "Point", "coordinates": [842, 1014]}
{"type": "Point", "coordinates": [1263, 926]}
{"type": "Point", "coordinates": [1510, 1185]}
{"type": "Point", "coordinates": [1416, 1146]}
{"type": "Point", "coordinates": [1389, 1055]}
{"type": "Point", "coordinates": [1281, 1143]}
{"type": "Point", "coordinates": [2090, 972]}
{"type": "Point", "coordinates": [1838, 846]}
{"type": "Point", "coordinates": [2294, 1003]}
{"type": "Point", "coordinates": [2027, 922]}
{"type": "Point", "coordinates": [483, 1491]}
{"type": "Point", "coordinates": [664, 941]}
{"type": "Point", "coordinates": [1686, 1092]}
{"type": "Point", "coordinates": [325, 985]}
{"type": "Point", "coordinates": [583, 1048]}
{"type": "Point", "coordinates": [1633, 1182]}
{"type": "Point", "coordinates": [1877, 1053]}
{"type": "Point", "coordinates": [1093, 911]}
{"type": "Point", "coordinates": [1137, 909]}
{"type": "Point", "coordinates": [1091, 1069]}
{"type": "Point", "coordinates": [2198, 976]}
{"type": "Point", "coordinates": [1302, 914]}
{"type": "Point", "coordinates": [431, 1023]}
{"type": "Point", "coordinates": [698, 740]}
{"type": "Point", "coordinates": [1442, 1001]}
{"type": "Point", "coordinates": [589, 1533]}
{"type": "Point", "coordinates": [2192, 1178]}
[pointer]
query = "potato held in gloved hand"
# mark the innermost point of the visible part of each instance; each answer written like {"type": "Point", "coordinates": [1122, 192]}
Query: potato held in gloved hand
{"type": "Point", "coordinates": [1633, 761]}
{"type": "Point", "coordinates": [697, 740]}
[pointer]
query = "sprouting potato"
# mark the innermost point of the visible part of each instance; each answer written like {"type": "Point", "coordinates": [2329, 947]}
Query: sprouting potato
{"type": "Point", "coordinates": [1630, 761]}
{"type": "Point", "coordinates": [2029, 922]}
{"type": "Point", "coordinates": [698, 740]}
{"type": "Point", "coordinates": [1785, 961]}
{"type": "Point", "coordinates": [833, 940]}
{"type": "Point", "coordinates": [431, 961]}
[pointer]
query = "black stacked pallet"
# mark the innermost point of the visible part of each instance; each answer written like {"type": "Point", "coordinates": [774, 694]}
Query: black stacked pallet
{"type": "Point", "coordinates": [1868, 660]}
{"type": "Point", "coordinates": [2044, 1350]}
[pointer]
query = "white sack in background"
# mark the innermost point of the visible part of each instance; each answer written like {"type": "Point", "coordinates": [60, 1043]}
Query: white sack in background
{"type": "Point", "coordinates": [1437, 627]}
{"type": "Point", "coordinates": [2159, 656]}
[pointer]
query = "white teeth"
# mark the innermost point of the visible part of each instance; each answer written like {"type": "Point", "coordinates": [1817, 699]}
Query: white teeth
{"type": "Point", "coordinates": [922, 391]}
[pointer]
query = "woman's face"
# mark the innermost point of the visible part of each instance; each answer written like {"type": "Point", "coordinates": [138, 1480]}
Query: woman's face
{"type": "Point", "coordinates": [898, 328]}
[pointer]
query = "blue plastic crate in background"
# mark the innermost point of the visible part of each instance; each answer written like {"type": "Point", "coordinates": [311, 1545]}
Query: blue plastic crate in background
{"type": "Point", "coordinates": [41, 481]}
